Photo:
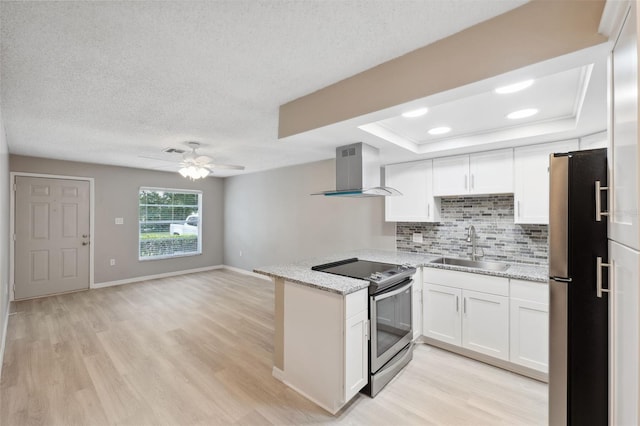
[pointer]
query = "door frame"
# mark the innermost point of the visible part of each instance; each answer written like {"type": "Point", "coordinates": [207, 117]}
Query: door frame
{"type": "Point", "coordinates": [12, 224]}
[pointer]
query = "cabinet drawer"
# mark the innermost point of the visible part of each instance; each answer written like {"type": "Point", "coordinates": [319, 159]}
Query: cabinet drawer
{"type": "Point", "coordinates": [529, 290]}
{"type": "Point", "coordinates": [467, 281]}
{"type": "Point", "coordinates": [356, 303]}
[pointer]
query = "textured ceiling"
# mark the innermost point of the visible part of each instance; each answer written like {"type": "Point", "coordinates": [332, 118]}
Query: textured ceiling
{"type": "Point", "coordinates": [112, 82]}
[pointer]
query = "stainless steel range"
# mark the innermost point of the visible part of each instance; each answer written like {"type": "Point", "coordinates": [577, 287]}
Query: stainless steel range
{"type": "Point", "coordinates": [390, 304]}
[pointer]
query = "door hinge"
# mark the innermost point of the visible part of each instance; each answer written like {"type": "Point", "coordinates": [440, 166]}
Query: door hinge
{"type": "Point", "coordinates": [15, 187]}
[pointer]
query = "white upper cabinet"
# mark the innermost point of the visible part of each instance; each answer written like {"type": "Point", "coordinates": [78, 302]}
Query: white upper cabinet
{"type": "Point", "coordinates": [451, 175]}
{"type": "Point", "coordinates": [623, 155]}
{"type": "Point", "coordinates": [491, 172]}
{"type": "Point", "coordinates": [531, 192]}
{"type": "Point", "coordinates": [476, 174]}
{"type": "Point", "coordinates": [416, 204]}
{"type": "Point", "coordinates": [594, 141]}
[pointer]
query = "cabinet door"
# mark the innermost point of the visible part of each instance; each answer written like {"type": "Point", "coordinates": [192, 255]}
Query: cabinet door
{"type": "Point", "coordinates": [451, 176]}
{"type": "Point", "coordinates": [485, 324]}
{"type": "Point", "coordinates": [441, 313]}
{"type": "Point", "coordinates": [531, 193]}
{"type": "Point", "coordinates": [624, 335]}
{"type": "Point", "coordinates": [356, 354]}
{"type": "Point", "coordinates": [529, 343]}
{"type": "Point", "coordinates": [491, 172]}
{"type": "Point", "coordinates": [415, 181]}
{"type": "Point", "coordinates": [623, 157]}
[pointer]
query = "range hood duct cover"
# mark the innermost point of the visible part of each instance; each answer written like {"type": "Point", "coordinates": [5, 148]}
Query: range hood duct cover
{"type": "Point", "coordinates": [358, 173]}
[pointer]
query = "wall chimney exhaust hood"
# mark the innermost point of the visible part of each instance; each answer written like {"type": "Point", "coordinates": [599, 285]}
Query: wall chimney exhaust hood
{"type": "Point", "coordinates": [358, 173]}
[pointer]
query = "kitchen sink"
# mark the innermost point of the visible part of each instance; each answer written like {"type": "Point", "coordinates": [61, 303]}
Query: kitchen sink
{"type": "Point", "coordinates": [480, 264]}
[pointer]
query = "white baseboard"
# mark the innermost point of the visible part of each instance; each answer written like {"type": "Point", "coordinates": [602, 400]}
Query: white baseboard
{"type": "Point", "coordinates": [278, 374]}
{"type": "Point", "coordinates": [155, 276]}
{"type": "Point", "coordinates": [3, 338]}
{"type": "Point", "coordinates": [245, 272]}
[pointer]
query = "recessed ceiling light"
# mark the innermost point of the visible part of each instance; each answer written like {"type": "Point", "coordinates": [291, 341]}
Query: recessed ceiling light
{"type": "Point", "coordinates": [415, 113]}
{"type": "Point", "coordinates": [515, 87]}
{"type": "Point", "coordinates": [523, 113]}
{"type": "Point", "coordinates": [439, 130]}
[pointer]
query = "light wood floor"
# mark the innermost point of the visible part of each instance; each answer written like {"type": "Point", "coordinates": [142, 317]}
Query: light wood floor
{"type": "Point", "coordinates": [197, 350]}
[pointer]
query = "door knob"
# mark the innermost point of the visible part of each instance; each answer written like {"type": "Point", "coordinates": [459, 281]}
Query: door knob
{"type": "Point", "coordinates": [85, 243]}
{"type": "Point", "coordinates": [84, 235]}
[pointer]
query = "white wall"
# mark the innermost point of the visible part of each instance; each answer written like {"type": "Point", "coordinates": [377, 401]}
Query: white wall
{"type": "Point", "coordinates": [271, 217]}
{"type": "Point", "coordinates": [116, 195]}
{"type": "Point", "coordinates": [4, 238]}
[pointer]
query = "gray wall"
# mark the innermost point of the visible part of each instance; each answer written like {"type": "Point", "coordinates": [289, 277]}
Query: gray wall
{"type": "Point", "coordinates": [4, 237]}
{"type": "Point", "coordinates": [492, 216]}
{"type": "Point", "coordinates": [271, 217]}
{"type": "Point", "coordinates": [116, 195]}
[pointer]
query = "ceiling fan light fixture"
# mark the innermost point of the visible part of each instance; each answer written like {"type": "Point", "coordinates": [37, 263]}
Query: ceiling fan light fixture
{"type": "Point", "coordinates": [194, 172]}
{"type": "Point", "coordinates": [513, 88]}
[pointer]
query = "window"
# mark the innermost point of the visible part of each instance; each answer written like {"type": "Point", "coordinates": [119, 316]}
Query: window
{"type": "Point", "coordinates": [169, 223]}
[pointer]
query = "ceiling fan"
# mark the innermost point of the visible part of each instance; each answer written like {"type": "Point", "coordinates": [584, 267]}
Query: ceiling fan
{"type": "Point", "coordinates": [195, 166]}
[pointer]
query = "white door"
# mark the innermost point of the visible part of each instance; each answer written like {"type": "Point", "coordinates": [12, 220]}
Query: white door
{"type": "Point", "coordinates": [451, 176]}
{"type": "Point", "coordinates": [531, 191]}
{"type": "Point", "coordinates": [491, 172]}
{"type": "Point", "coordinates": [529, 343]}
{"type": "Point", "coordinates": [414, 180]}
{"type": "Point", "coordinates": [623, 156]}
{"type": "Point", "coordinates": [51, 236]}
{"type": "Point", "coordinates": [624, 334]}
{"type": "Point", "coordinates": [356, 369]}
{"type": "Point", "coordinates": [441, 313]}
{"type": "Point", "coordinates": [485, 323]}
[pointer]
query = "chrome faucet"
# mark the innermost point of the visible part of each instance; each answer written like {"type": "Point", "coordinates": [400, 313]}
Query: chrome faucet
{"type": "Point", "coordinates": [471, 238]}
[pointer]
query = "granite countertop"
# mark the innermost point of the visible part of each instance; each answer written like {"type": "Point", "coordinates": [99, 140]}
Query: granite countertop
{"type": "Point", "coordinates": [301, 273]}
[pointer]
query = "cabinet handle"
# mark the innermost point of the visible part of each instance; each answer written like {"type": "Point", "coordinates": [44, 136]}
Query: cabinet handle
{"type": "Point", "coordinates": [599, 266]}
{"type": "Point", "coordinates": [464, 306]}
{"type": "Point", "coordinates": [429, 210]}
{"type": "Point", "coordinates": [466, 181]}
{"type": "Point", "coordinates": [473, 181]}
{"type": "Point", "coordinates": [518, 208]}
{"type": "Point", "coordinates": [599, 213]}
{"type": "Point", "coordinates": [457, 304]}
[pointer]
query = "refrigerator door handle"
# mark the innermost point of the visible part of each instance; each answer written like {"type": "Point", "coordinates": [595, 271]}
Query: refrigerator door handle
{"type": "Point", "coordinates": [599, 266]}
{"type": "Point", "coordinates": [600, 213]}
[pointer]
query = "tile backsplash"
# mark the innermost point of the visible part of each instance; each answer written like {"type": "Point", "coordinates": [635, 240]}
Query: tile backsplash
{"type": "Point", "coordinates": [492, 216]}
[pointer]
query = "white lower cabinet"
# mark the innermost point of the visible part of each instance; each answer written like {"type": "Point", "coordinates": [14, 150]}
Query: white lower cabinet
{"type": "Point", "coordinates": [416, 305]}
{"type": "Point", "coordinates": [485, 323]}
{"type": "Point", "coordinates": [441, 313]}
{"type": "Point", "coordinates": [529, 323]}
{"type": "Point", "coordinates": [475, 320]}
{"type": "Point", "coordinates": [326, 344]}
{"type": "Point", "coordinates": [505, 319]}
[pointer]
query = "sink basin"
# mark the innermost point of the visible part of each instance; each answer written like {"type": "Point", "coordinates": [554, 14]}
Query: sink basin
{"type": "Point", "coordinates": [480, 264]}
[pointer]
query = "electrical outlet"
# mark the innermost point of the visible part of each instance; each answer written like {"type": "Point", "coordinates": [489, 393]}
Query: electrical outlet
{"type": "Point", "coordinates": [112, 262]}
{"type": "Point", "coordinates": [417, 237]}
{"type": "Point", "coordinates": [119, 220]}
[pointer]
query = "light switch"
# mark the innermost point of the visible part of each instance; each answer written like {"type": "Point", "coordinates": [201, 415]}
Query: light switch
{"type": "Point", "coordinates": [417, 237]}
{"type": "Point", "coordinates": [119, 220]}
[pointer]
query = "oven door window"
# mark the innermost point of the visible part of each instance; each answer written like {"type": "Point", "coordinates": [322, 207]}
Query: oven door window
{"type": "Point", "coordinates": [393, 320]}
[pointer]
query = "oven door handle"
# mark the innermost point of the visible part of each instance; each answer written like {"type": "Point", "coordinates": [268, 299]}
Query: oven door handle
{"type": "Point", "coordinates": [393, 292]}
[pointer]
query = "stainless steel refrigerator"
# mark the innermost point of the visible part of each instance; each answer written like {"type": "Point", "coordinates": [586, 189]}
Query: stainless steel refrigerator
{"type": "Point", "coordinates": [578, 304]}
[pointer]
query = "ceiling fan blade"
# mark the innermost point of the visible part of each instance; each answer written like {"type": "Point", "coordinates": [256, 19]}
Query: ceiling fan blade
{"type": "Point", "coordinates": [225, 166]}
{"type": "Point", "coordinates": [146, 157]}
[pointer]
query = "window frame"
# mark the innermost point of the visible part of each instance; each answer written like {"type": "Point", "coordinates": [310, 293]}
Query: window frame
{"type": "Point", "coordinates": [200, 222]}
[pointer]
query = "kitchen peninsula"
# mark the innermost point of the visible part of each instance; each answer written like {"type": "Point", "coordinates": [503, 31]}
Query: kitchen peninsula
{"type": "Point", "coordinates": [321, 321]}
